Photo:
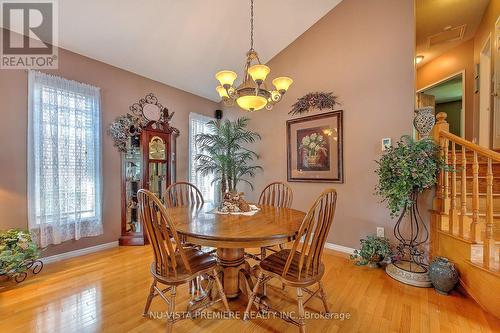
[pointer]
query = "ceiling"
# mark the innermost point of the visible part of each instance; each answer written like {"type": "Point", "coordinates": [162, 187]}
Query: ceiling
{"type": "Point", "coordinates": [432, 16]}
{"type": "Point", "coordinates": [183, 43]}
{"type": "Point", "coordinates": [448, 91]}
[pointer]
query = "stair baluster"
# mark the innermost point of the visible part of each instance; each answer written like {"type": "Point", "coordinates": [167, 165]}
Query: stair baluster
{"type": "Point", "coordinates": [489, 243]}
{"type": "Point", "coordinates": [475, 233]}
{"type": "Point", "coordinates": [446, 187]}
{"type": "Point", "coordinates": [463, 194]}
{"type": "Point", "coordinates": [453, 202]}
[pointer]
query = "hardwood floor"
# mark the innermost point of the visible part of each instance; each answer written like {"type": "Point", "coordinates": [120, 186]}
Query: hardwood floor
{"type": "Point", "coordinates": [106, 292]}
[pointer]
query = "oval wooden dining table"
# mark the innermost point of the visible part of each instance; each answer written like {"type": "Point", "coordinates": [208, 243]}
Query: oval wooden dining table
{"type": "Point", "coordinates": [232, 234]}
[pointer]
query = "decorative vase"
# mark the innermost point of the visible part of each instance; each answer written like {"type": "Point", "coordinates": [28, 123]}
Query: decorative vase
{"type": "Point", "coordinates": [424, 120]}
{"type": "Point", "coordinates": [312, 160]}
{"type": "Point", "coordinates": [443, 275]}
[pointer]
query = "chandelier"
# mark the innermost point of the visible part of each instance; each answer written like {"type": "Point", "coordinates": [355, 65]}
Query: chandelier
{"type": "Point", "coordinates": [252, 94]}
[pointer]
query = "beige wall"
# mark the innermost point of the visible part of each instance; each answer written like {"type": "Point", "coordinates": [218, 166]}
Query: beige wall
{"type": "Point", "coordinates": [119, 90]}
{"type": "Point", "coordinates": [455, 60]}
{"type": "Point", "coordinates": [362, 51]}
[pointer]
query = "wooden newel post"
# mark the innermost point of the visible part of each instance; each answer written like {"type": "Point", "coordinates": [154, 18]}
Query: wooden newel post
{"type": "Point", "coordinates": [440, 200]}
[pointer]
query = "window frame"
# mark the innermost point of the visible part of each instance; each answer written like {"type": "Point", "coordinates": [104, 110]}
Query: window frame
{"type": "Point", "coordinates": [201, 117]}
{"type": "Point", "coordinates": [34, 87]}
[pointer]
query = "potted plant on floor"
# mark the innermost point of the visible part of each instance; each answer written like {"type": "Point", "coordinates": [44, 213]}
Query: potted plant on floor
{"type": "Point", "coordinates": [18, 254]}
{"type": "Point", "coordinates": [405, 171]}
{"type": "Point", "coordinates": [373, 251]}
{"type": "Point", "coordinates": [225, 154]}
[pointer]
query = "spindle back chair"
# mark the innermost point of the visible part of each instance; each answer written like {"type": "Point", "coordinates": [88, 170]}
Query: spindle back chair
{"type": "Point", "coordinates": [183, 194]}
{"type": "Point", "coordinates": [301, 266]}
{"type": "Point", "coordinates": [173, 264]}
{"type": "Point", "coordinates": [277, 194]}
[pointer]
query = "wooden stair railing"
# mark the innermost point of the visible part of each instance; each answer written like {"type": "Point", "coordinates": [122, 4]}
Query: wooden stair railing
{"type": "Point", "coordinates": [478, 224]}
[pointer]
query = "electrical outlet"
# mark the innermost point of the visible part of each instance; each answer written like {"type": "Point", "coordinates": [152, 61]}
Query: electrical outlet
{"type": "Point", "coordinates": [380, 231]}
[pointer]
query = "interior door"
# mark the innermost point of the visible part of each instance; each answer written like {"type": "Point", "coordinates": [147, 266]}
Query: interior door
{"type": "Point", "coordinates": [496, 91]}
{"type": "Point", "coordinates": [485, 94]}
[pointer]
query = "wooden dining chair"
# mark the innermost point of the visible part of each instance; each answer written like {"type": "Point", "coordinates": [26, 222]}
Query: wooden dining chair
{"type": "Point", "coordinates": [186, 194]}
{"type": "Point", "coordinates": [183, 194]}
{"type": "Point", "coordinates": [277, 194]}
{"type": "Point", "coordinates": [173, 264]}
{"type": "Point", "coordinates": [301, 266]}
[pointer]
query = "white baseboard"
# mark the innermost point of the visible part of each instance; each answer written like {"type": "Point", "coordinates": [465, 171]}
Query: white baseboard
{"type": "Point", "coordinates": [339, 248]}
{"type": "Point", "coordinates": [100, 247]}
{"type": "Point", "coordinates": [79, 252]}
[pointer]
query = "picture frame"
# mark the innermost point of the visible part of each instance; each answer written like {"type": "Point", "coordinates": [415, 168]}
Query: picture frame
{"type": "Point", "coordinates": [315, 148]}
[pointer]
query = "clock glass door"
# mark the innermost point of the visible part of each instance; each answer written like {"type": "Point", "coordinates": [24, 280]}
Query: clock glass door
{"type": "Point", "coordinates": [157, 166]}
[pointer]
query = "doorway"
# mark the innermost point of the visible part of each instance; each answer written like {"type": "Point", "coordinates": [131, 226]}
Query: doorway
{"type": "Point", "coordinates": [485, 95]}
{"type": "Point", "coordinates": [446, 95]}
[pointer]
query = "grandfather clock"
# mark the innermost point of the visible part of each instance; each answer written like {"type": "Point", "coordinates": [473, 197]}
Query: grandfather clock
{"type": "Point", "coordinates": [148, 161]}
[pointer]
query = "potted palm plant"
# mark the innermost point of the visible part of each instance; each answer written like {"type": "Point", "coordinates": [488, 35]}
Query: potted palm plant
{"type": "Point", "coordinates": [225, 154]}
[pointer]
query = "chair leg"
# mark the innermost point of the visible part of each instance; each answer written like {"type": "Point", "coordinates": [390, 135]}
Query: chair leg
{"type": "Point", "coordinates": [322, 294]}
{"type": "Point", "coordinates": [150, 298]}
{"type": "Point", "coordinates": [194, 286]}
{"type": "Point", "coordinates": [251, 298]}
{"type": "Point", "coordinates": [171, 309]}
{"type": "Point", "coordinates": [262, 253]}
{"type": "Point", "coordinates": [221, 290]}
{"type": "Point", "coordinates": [300, 301]}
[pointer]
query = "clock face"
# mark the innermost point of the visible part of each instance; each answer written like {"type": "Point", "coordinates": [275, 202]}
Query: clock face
{"type": "Point", "coordinates": [151, 112]}
{"type": "Point", "coordinates": [157, 148]}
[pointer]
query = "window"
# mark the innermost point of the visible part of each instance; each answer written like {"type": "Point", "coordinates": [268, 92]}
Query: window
{"type": "Point", "coordinates": [64, 159]}
{"type": "Point", "coordinates": [198, 125]}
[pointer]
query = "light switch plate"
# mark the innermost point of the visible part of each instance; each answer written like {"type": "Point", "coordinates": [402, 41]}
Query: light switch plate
{"type": "Point", "coordinates": [380, 231]}
{"type": "Point", "coordinates": [386, 144]}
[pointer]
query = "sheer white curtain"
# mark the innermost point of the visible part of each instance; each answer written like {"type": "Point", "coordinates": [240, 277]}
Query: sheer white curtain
{"type": "Point", "coordinates": [64, 159]}
{"type": "Point", "coordinates": [198, 125]}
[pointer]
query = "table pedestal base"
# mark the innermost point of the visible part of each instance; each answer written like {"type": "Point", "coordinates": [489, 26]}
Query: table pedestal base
{"type": "Point", "coordinates": [232, 261]}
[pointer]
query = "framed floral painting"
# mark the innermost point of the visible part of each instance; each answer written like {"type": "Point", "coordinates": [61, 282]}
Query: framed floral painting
{"type": "Point", "coordinates": [315, 148]}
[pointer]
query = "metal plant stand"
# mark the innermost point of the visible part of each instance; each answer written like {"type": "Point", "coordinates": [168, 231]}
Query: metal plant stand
{"type": "Point", "coordinates": [411, 267]}
{"type": "Point", "coordinates": [34, 265]}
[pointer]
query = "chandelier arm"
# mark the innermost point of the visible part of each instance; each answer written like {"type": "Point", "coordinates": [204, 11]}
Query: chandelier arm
{"type": "Point", "coordinates": [248, 62]}
{"type": "Point", "coordinates": [276, 97]}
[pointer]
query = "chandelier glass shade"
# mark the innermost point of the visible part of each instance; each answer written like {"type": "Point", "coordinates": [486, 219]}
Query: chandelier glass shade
{"type": "Point", "coordinates": [252, 94]}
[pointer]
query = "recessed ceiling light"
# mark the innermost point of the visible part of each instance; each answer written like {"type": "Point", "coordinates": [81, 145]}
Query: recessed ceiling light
{"type": "Point", "coordinates": [418, 59]}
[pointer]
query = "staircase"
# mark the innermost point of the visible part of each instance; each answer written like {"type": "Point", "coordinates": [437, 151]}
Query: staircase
{"type": "Point", "coordinates": [465, 219]}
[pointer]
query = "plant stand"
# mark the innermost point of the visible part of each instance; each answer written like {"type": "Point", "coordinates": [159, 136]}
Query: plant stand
{"type": "Point", "coordinates": [34, 265]}
{"type": "Point", "coordinates": [411, 268]}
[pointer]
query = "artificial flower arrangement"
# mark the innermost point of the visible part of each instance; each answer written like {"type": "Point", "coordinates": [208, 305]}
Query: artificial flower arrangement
{"type": "Point", "coordinates": [313, 145]}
